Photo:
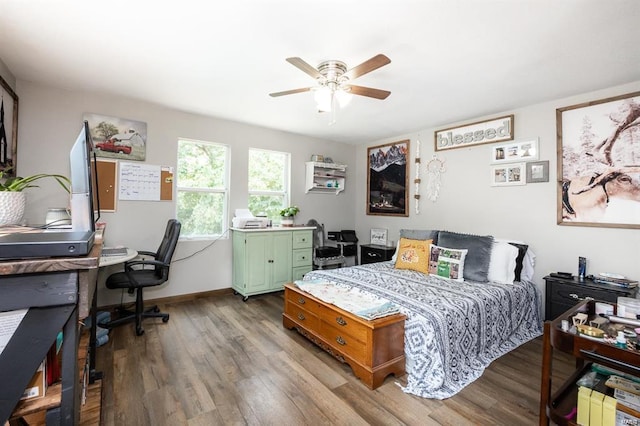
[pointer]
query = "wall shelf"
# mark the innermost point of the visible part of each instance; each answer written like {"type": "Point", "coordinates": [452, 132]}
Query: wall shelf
{"type": "Point", "coordinates": [325, 177]}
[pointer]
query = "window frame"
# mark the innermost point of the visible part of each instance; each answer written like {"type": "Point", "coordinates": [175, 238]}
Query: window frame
{"type": "Point", "coordinates": [286, 200]}
{"type": "Point", "coordinates": [225, 190]}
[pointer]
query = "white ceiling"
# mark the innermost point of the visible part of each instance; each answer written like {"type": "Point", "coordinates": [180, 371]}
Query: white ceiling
{"type": "Point", "coordinates": [450, 60]}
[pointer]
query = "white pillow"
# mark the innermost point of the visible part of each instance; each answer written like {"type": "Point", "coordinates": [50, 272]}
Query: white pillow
{"type": "Point", "coordinates": [503, 262]}
{"type": "Point", "coordinates": [528, 263]}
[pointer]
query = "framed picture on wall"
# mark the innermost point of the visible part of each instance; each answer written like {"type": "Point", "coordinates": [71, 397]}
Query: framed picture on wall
{"type": "Point", "coordinates": [598, 163]}
{"type": "Point", "coordinates": [508, 174]}
{"type": "Point", "coordinates": [119, 138]}
{"type": "Point", "coordinates": [387, 179]}
{"type": "Point", "coordinates": [8, 129]}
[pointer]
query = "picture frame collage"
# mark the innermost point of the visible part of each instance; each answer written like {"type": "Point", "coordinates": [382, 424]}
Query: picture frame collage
{"type": "Point", "coordinates": [517, 163]}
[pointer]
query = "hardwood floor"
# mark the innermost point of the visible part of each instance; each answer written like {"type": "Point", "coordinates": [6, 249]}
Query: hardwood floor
{"type": "Point", "coordinates": [221, 361]}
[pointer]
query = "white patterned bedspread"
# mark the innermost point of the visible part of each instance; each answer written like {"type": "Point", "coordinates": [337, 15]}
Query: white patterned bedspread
{"type": "Point", "coordinates": [454, 330]}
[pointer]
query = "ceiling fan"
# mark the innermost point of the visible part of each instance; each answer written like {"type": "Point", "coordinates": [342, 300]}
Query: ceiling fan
{"type": "Point", "coordinates": [334, 81]}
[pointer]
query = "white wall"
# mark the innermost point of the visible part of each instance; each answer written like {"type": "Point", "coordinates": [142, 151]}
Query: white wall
{"type": "Point", "coordinates": [50, 120]}
{"type": "Point", "coordinates": [468, 204]}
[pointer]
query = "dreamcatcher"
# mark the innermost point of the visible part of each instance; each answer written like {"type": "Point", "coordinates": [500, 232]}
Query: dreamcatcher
{"type": "Point", "coordinates": [435, 168]}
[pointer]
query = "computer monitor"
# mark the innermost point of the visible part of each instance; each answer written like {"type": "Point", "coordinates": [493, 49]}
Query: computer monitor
{"type": "Point", "coordinates": [85, 202]}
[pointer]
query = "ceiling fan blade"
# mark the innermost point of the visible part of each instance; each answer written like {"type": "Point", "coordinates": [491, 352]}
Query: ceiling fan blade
{"type": "Point", "coordinates": [299, 63]}
{"type": "Point", "coordinates": [368, 91]}
{"type": "Point", "coordinates": [290, 92]}
{"type": "Point", "coordinates": [367, 66]}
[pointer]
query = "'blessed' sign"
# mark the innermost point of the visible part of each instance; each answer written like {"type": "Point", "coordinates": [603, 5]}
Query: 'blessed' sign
{"type": "Point", "coordinates": [495, 130]}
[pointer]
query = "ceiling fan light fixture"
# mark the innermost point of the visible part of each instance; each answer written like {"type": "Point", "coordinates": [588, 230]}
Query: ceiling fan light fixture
{"type": "Point", "coordinates": [343, 97]}
{"type": "Point", "coordinates": [324, 98]}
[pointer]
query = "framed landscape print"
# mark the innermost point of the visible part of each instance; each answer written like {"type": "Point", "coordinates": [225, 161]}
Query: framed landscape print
{"type": "Point", "coordinates": [599, 163]}
{"type": "Point", "coordinates": [387, 179]}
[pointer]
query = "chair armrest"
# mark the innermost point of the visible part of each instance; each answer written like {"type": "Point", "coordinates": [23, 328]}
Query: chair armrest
{"type": "Point", "coordinates": [147, 253]}
{"type": "Point", "coordinates": [143, 262]}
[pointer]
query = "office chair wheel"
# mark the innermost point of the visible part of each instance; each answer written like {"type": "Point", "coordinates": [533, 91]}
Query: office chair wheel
{"type": "Point", "coordinates": [156, 309]}
{"type": "Point", "coordinates": [166, 318]}
{"type": "Point", "coordinates": [139, 331]}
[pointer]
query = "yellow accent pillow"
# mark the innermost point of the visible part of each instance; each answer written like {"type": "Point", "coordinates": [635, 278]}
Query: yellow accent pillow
{"type": "Point", "coordinates": [413, 254]}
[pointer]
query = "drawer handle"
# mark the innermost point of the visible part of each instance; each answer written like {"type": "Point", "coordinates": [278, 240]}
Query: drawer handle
{"type": "Point", "coordinates": [301, 301]}
{"type": "Point", "coordinates": [301, 317]}
{"type": "Point", "coordinates": [341, 321]}
{"type": "Point", "coordinates": [575, 296]}
{"type": "Point", "coordinates": [340, 341]}
{"type": "Point", "coordinates": [372, 254]}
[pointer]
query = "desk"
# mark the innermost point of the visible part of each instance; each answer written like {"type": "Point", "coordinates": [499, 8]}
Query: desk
{"type": "Point", "coordinates": [57, 292]}
{"type": "Point", "coordinates": [114, 260]}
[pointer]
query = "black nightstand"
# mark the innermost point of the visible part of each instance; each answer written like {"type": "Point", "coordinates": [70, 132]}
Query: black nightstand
{"type": "Point", "coordinates": [563, 294]}
{"type": "Point", "coordinates": [372, 253]}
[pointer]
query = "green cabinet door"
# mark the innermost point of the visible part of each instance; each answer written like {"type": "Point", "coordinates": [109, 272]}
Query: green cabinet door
{"type": "Point", "coordinates": [281, 260]}
{"type": "Point", "coordinates": [258, 261]}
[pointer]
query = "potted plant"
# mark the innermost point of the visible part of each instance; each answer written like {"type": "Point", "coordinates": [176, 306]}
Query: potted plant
{"type": "Point", "coordinates": [288, 214]}
{"type": "Point", "coordinates": [13, 200]}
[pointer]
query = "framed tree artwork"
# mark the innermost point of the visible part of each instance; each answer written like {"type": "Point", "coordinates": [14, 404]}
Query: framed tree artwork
{"type": "Point", "coordinates": [387, 179]}
{"type": "Point", "coordinates": [8, 129]}
{"type": "Point", "coordinates": [599, 163]}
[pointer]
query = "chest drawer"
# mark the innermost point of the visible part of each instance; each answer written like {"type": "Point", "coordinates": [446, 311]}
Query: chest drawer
{"type": "Point", "coordinates": [342, 341]}
{"type": "Point", "coordinates": [562, 294]}
{"type": "Point", "coordinates": [301, 315]}
{"type": "Point", "coordinates": [372, 253]}
{"type": "Point", "coordinates": [302, 239]}
{"type": "Point", "coordinates": [344, 324]}
{"type": "Point", "coordinates": [302, 257]}
{"type": "Point", "coordinates": [300, 300]}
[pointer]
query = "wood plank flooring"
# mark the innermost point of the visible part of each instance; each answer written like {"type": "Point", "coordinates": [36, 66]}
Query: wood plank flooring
{"type": "Point", "coordinates": [222, 361]}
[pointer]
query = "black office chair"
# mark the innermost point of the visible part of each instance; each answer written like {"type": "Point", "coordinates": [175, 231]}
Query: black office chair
{"type": "Point", "coordinates": [138, 274]}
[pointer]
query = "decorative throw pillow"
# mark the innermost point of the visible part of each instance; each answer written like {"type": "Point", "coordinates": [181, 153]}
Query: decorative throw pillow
{"type": "Point", "coordinates": [417, 234]}
{"type": "Point", "coordinates": [413, 254]}
{"type": "Point", "coordinates": [476, 266]}
{"type": "Point", "coordinates": [447, 262]}
{"type": "Point", "coordinates": [503, 263]}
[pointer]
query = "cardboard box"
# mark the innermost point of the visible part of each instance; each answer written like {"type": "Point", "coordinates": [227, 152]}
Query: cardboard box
{"type": "Point", "coordinates": [627, 398]}
{"type": "Point", "coordinates": [37, 385]}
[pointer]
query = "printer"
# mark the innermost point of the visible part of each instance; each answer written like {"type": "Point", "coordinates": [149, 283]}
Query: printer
{"type": "Point", "coordinates": [244, 219]}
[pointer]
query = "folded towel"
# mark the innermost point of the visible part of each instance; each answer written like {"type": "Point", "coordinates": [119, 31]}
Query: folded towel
{"type": "Point", "coordinates": [354, 300]}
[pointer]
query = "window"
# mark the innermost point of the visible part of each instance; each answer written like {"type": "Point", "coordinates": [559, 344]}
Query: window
{"type": "Point", "coordinates": [202, 187]}
{"type": "Point", "coordinates": [268, 182]}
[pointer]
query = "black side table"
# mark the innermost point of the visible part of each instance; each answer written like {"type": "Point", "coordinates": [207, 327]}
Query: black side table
{"type": "Point", "coordinates": [372, 253]}
{"type": "Point", "coordinates": [561, 294]}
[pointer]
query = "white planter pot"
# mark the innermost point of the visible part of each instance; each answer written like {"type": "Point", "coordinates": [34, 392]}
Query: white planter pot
{"type": "Point", "coordinates": [287, 221]}
{"type": "Point", "coordinates": [11, 207]}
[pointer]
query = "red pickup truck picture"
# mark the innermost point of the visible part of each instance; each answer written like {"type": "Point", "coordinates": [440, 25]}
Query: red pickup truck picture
{"type": "Point", "coordinates": [113, 146]}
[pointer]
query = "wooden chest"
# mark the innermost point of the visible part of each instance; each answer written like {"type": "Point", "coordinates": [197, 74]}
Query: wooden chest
{"type": "Point", "coordinates": [373, 349]}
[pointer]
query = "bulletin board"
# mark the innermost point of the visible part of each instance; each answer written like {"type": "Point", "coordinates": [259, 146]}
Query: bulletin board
{"type": "Point", "coordinates": [145, 182]}
{"type": "Point", "coordinates": [107, 172]}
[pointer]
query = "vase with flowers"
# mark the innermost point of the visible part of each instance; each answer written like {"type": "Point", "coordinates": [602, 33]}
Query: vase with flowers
{"type": "Point", "coordinates": [288, 215]}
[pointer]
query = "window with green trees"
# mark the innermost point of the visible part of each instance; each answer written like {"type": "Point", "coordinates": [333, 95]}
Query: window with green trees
{"type": "Point", "coordinates": [269, 182]}
{"type": "Point", "coordinates": [202, 188]}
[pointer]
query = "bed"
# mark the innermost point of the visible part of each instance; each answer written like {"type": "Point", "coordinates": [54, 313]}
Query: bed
{"type": "Point", "coordinates": [455, 327]}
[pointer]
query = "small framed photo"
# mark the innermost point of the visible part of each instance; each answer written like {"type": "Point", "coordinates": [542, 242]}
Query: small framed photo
{"type": "Point", "coordinates": [379, 236]}
{"type": "Point", "coordinates": [515, 151]}
{"type": "Point", "coordinates": [508, 174]}
{"type": "Point", "coordinates": [537, 171]}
